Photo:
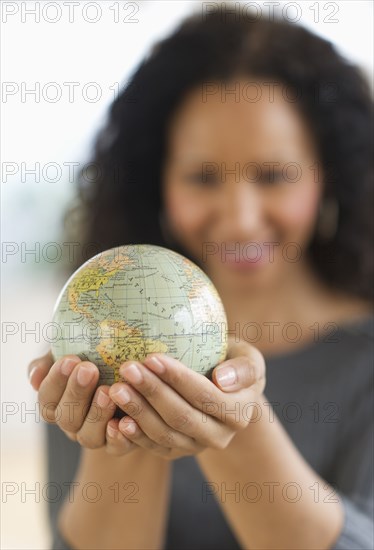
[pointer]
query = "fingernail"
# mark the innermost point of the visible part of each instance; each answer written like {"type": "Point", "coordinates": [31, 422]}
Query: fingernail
{"type": "Point", "coordinates": [111, 431]}
{"type": "Point", "coordinates": [122, 396]}
{"type": "Point", "coordinates": [103, 399]}
{"type": "Point", "coordinates": [156, 364]}
{"type": "Point", "coordinates": [85, 375]}
{"type": "Point", "coordinates": [132, 373]}
{"type": "Point", "coordinates": [226, 376]}
{"type": "Point", "coordinates": [67, 366]}
{"type": "Point", "coordinates": [128, 427]}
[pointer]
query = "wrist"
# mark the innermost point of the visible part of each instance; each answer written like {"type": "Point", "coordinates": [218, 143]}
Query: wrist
{"type": "Point", "coordinates": [128, 488]}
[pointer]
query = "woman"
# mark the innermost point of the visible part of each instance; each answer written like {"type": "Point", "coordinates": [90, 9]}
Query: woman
{"type": "Point", "coordinates": [245, 145]}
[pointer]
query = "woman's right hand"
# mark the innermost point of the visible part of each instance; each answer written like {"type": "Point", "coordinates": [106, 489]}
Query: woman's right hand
{"type": "Point", "coordinates": [68, 397]}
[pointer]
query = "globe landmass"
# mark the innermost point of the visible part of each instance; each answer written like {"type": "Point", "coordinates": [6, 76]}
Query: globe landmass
{"type": "Point", "coordinates": [133, 300]}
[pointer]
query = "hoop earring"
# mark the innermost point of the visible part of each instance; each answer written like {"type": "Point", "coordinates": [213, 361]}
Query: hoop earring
{"type": "Point", "coordinates": [328, 219]}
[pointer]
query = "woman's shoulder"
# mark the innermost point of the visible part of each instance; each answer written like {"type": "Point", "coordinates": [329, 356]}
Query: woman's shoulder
{"type": "Point", "coordinates": [346, 363]}
{"type": "Point", "coordinates": [349, 330]}
{"type": "Point", "coordinates": [356, 352]}
{"type": "Point", "coordinates": [340, 355]}
{"type": "Point", "coordinates": [361, 329]}
{"type": "Point", "coordinates": [355, 330]}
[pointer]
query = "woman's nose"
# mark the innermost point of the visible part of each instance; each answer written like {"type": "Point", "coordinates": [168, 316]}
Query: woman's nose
{"type": "Point", "coordinates": [241, 210]}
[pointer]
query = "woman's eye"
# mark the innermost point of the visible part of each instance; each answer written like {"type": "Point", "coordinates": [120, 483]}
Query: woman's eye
{"type": "Point", "coordinates": [203, 178]}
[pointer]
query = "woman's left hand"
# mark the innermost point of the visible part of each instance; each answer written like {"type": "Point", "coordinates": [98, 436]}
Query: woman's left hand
{"type": "Point", "coordinates": [174, 411]}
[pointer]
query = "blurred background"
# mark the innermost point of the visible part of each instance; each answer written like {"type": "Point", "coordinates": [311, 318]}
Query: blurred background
{"type": "Point", "coordinates": [62, 65]}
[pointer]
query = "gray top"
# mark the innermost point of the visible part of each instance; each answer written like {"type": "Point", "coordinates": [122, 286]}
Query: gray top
{"type": "Point", "coordinates": [323, 395]}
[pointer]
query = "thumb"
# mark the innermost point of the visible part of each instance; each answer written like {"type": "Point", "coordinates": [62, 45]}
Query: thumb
{"type": "Point", "coordinates": [241, 372]}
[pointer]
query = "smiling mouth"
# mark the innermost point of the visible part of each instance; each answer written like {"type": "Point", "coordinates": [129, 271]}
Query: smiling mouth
{"type": "Point", "coordinates": [244, 263]}
{"type": "Point", "coordinates": [248, 258]}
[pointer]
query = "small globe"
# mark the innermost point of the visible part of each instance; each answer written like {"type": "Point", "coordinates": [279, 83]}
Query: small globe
{"type": "Point", "coordinates": [133, 300]}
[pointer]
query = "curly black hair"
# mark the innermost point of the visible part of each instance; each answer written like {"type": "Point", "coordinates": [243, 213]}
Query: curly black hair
{"type": "Point", "coordinates": [121, 204]}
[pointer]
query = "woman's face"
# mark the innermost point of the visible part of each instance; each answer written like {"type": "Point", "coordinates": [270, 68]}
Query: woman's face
{"type": "Point", "coordinates": [241, 184]}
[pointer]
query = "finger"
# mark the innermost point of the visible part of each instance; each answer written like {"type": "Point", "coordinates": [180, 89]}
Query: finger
{"type": "Point", "coordinates": [229, 410]}
{"type": "Point", "coordinates": [92, 433]}
{"type": "Point", "coordinates": [132, 431]}
{"type": "Point", "coordinates": [53, 386]}
{"type": "Point", "coordinates": [239, 373]}
{"type": "Point", "coordinates": [116, 443]}
{"type": "Point", "coordinates": [192, 386]}
{"type": "Point", "coordinates": [148, 419]}
{"type": "Point", "coordinates": [75, 402]}
{"type": "Point", "coordinates": [162, 414]}
{"type": "Point", "coordinates": [244, 367]}
{"type": "Point", "coordinates": [38, 369]}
